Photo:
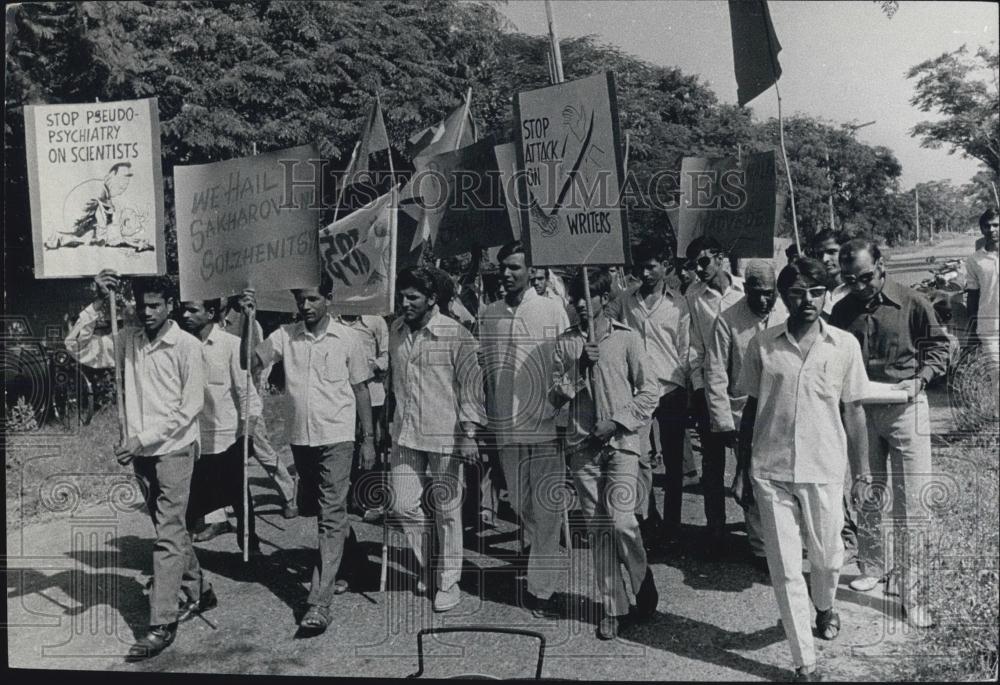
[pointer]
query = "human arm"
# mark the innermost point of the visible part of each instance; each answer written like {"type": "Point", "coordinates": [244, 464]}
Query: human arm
{"type": "Point", "coordinates": [717, 360]}
{"type": "Point", "coordinates": [359, 375]}
{"type": "Point", "coordinates": [471, 396]}
{"type": "Point", "coordinates": [81, 343]}
{"type": "Point", "coordinates": [857, 448]}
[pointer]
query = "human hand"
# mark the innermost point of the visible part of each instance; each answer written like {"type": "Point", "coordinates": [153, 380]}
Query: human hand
{"type": "Point", "coordinates": [913, 386]}
{"type": "Point", "coordinates": [368, 453]}
{"type": "Point", "coordinates": [248, 301]}
{"type": "Point", "coordinates": [603, 431]}
{"type": "Point", "coordinates": [107, 281]}
{"type": "Point", "coordinates": [127, 450]}
{"type": "Point", "coordinates": [591, 354]}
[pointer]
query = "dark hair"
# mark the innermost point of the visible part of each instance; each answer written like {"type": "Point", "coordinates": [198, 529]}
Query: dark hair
{"type": "Point", "coordinates": [792, 251]}
{"type": "Point", "coordinates": [826, 234]}
{"type": "Point", "coordinates": [985, 217]}
{"type": "Point", "coordinates": [851, 248]}
{"type": "Point", "coordinates": [215, 304]}
{"type": "Point", "coordinates": [114, 169]}
{"type": "Point", "coordinates": [325, 285]}
{"type": "Point", "coordinates": [444, 287]}
{"type": "Point", "coordinates": [600, 284]}
{"type": "Point", "coordinates": [700, 244]}
{"type": "Point", "coordinates": [420, 279]}
{"type": "Point", "coordinates": [166, 286]}
{"type": "Point", "coordinates": [801, 266]}
{"type": "Point", "coordinates": [512, 248]}
{"type": "Point", "coordinates": [656, 247]}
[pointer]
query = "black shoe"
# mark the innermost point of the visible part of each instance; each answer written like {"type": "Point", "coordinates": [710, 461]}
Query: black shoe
{"type": "Point", "coordinates": [827, 623]}
{"type": "Point", "coordinates": [190, 608]}
{"type": "Point", "coordinates": [152, 643]}
{"type": "Point", "coordinates": [547, 609]}
{"type": "Point", "coordinates": [646, 598]}
{"type": "Point", "coordinates": [812, 676]}
{"type": "Point", "coordinates": [607, 629]}
{"type": "Point", "coordinates": [212, 530]}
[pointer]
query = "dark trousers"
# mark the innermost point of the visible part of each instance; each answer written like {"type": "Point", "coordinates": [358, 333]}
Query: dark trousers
{"type": "Point", "coordinates": [217, 482]}
{"type": "Point", "coordinates": [671, 417]}
{"type": "Point", "coordinates": [324, 482]}
{"type": "Point", "coordinates": [713, 471]}
{"type": "Point", "coordinates": [165, 481]}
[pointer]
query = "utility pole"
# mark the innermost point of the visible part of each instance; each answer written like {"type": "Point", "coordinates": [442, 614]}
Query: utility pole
{"type": "Point", "coordinates": [853, 128]}
{"type": "Point", "coordinates": [916, 205]}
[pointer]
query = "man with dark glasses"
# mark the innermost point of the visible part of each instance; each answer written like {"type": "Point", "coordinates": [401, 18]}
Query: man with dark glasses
{"type": "Point", "coordinates": [902, 343]}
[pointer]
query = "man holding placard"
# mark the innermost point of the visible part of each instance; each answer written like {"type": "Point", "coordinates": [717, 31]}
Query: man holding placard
{"type": "Point", "coordinates": [164, 393]}
{"type": "Point", "coordinates": [326, 373]}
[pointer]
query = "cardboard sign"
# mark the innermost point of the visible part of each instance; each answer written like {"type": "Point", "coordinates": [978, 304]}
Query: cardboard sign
{"type": "Point", "coordinates": [737, 207]}
{"type": "Point", "coordinates": [506, 156]}
{"type": "Point", "coordinates": [358, 252]}
{"type": "Point", "coordinates": [244, 222]}
{"type": "Point", "coordinates": [569, 148]}
{"type": "Point", "coordinates": [95, 181]}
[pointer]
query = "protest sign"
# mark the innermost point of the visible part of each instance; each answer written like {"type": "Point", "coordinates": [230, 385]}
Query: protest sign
{"type": "Point", "coordinates": [358, 252]}
{"type": "Point", "coordinates": [506, 155]}
{"type": "Point", "coordinates": [474, 214]}
{"type": "Point", "coordinates": [96, 188]}
{"type": "Point", "coordinates": [569, 148]}
{"type": "Point", "coordinates": [737, 207]}
{"type": "Point", "coordinates": [246, 222]}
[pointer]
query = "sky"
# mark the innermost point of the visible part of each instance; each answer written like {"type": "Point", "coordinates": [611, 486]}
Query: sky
{"type": "Point", "coordinates": [843, 61]}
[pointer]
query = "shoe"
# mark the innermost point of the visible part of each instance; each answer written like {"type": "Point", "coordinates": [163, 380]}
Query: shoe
{"type": "Point", "coordinates": [152, 643]}
{"type": "Point", "coordinates": [804, 676]}
{"type": "Point", "coordinates": [647, 597]}
{"type": "Point", "coordinates": [918, 616]}
{"type": "Point", "coordinates": [864, 583]}
{"type": "Point", "coordinates": [607, 629]}
{"type": "Point", "coordinates": [340, 586]}
{"type": "Point", "coordinates": [213, 530]}
{"type": "Point", "coordinates": [547, 609]}
{"type": "Point", "coordinates": [373, 515]}
{"type": "Point", "coordinates": [316, 619]}
{"type": "Point", "coordinates": [190, 608]}
{"type": "Point", "coordinates": [421, 587]}
{"type": "Point", "coordinates": [290, 511]}
{"type": "Point", "coordinates": [827, 624]}
{"type": "Point", "coordinates": [446, 600]}
{"type": "Point", "coordinates": [759, 563]}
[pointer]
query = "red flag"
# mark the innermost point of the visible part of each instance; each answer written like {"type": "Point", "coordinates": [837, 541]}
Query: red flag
{"type": "Point", "coordinates": [755, 48]}
{"type": "Point", "coordinates": [373, 136]}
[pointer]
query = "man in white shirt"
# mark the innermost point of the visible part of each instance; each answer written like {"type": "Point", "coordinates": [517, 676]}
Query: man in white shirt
{"type": "Point", "coordinates": [983, 302]}
{"type": "Point", "coordinates": [517, 340]}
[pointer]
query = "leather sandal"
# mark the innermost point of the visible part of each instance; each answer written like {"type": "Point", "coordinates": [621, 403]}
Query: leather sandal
{"type": "Point", "coordinates": [317, 618]}
{"type": "Point", "coordinates": [827, 624]}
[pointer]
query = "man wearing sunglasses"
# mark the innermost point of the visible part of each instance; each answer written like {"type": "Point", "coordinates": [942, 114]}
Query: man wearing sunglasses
{"type": "Point", "coordinates": [715, 292]}
{"type": "Point", "coordinates": [902, 343]}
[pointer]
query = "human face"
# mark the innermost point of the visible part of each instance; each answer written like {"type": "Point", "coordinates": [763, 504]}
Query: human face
{"type": "Point", "coordinates": [514, 274]}
{"type": "Point", "coordinates": [651, 271]}
{"type": "Point", "coordinates": [761, 300]}
{"type": "Point", "coordinates": [312, 305]}
{"type": "Point", "coordinates": [539, 280]}
{"type": "Point", "coordinates": [118, 181]}
{"type": "Point", "coordinates": [863, 276]}
{"type": "Point", "coordinates": [707, 265]}
{"type": "Point", "coordinates": [804, 300]}
{"type": "Point", "coordinates": [415, 305]}
{"type": "Point", "coordinates": [194, 317]}
{"type": "Point", "coordinates": [154, 310]}
{"type": "Point", "coordinates": [828, 252]}
{"type": "Point", "coordinates": [991, 229]}
{"type": "Point", "coordinates": [596, 305]}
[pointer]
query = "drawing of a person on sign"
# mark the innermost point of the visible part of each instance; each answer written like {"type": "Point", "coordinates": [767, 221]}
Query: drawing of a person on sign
{"type": "Point", "coordinates": [94, 213]}
{"type": "Point", "coordinates": [578, 130]}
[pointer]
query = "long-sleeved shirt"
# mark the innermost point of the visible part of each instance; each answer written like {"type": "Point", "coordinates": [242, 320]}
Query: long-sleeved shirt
{"type": "Point", "coordinates": [731, 335]}
{"type": "Point", "coordinates": [320, 369]}
{"type": "Point", "coordinates": [664, 329]}
{"type": "Point", "coordinates": [899, 333]}
{"type": "Point", "coordinates": [163, 380]}
{"type": "Point", "coordinates": [705, 305]}
{"type": "Point", "coordinates": [623, 389]}
{"type": "Point", "coordinates": [437, 381]}
{"type": "Point", "coordinates": [517, 346]}
{"type": "Point", "coordinates": [225, 392]}
{"type": "Point", "coordinates": [374, 335]}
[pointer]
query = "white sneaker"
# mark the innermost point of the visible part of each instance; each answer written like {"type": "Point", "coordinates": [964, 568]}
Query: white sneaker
{"type": "Point", "coordinates": [864, 583]}
{"type": "Point", "coordinates": [918, 616]}
{"type": "Point", "coordinates": [448, 599]}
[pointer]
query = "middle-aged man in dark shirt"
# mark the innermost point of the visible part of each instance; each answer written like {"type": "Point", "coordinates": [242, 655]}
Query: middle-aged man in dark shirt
{"type": "Point", "coordinates": [902, 343]}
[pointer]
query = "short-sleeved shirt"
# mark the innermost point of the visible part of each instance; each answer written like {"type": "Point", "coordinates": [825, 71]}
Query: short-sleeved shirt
{"type": "Point", "coordinates": [373, 332]}
{"type": "Point", "coordinates": [319, 372]}
{"type": "Point", "coordinates": [798, 434]}
{"type": "Point", "coordinates": [981, 275]}
{"type": "Point", "coordinates": [705, 304]}
{"type": "Point", "coordinates": [226, 398]}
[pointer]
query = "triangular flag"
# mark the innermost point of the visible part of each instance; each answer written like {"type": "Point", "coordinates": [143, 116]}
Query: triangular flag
{"type": "Point", "coordinates": [373, 136]}
{"type": "Point", "coordinates": [755, 48]}
{"type": "Point", "coordinates": [444, 136]}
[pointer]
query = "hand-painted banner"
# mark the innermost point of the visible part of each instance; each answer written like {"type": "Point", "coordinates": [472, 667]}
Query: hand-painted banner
{"type": "Point", "coordinates": [737, 207]}
{"type": "Point", "coordinates": [358, 252]}
{"type": "Point", "coordinates": [569, 149]}
{"type": "Point", "coordinates": [247, 222]}
{"type": "Point", "coordinates": [95, 181]}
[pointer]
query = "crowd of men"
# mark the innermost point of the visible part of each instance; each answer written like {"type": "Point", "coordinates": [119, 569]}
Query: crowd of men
{"type": "Point", "coordinates": [592, 380]}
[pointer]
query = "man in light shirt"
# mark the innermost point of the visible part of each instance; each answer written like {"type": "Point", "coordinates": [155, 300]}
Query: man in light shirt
{"type": "Point", "coordinates": [218, 473]}
{"type": "Point", "coordinates": [438, 387]}
{"type": "Point", "coordinates": [715, 292]}
{"type": "Point", "coordinates": [326, 374]}
{"type": "Point", "coordinates": [825, 247]}
{"type": "Point", "coordinates": [517, 341]}
{"type": "Point", "coordinates": [796, 446]}
{"type": "Point", "coordinates": [164, 392]}
{"type": "Point", "coordinates": [731, 335]}
{"type": "Point", "coordinates": [983, 301]}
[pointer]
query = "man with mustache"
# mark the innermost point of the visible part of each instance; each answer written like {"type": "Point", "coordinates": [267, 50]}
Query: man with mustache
{"type": "Point", "coordinates": [903, 343]}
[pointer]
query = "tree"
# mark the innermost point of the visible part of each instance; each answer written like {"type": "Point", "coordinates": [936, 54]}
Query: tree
{"type": "Point", "coordinates": [969, 106]}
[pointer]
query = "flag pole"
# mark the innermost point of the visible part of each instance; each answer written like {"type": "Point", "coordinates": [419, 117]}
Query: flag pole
{"type": "Point", "coordinates": [788, 170]}
{"type": "Point", "coordinates": [115, 342]}
{"type": "Point", "coordinates": [347, 174]}
{"type": "Point", "coordinates": [252, 316]}
{"type": "Point", "coordinates": [393, 229]}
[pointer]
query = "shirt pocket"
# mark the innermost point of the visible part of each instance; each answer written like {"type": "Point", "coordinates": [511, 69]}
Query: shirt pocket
{"type": "Point", "coordinates": [333, 366]}
{"type": "Point", "coordinates": [217, 374]}
{"type": "Point", "coordinates": [827, 378]}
